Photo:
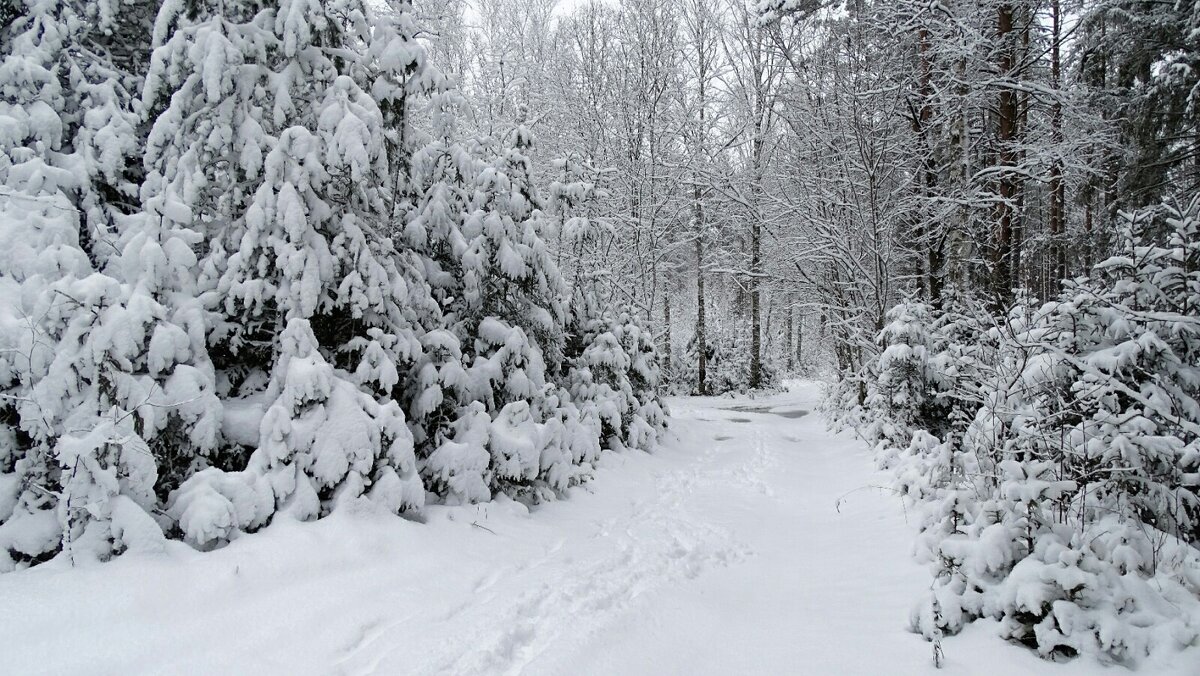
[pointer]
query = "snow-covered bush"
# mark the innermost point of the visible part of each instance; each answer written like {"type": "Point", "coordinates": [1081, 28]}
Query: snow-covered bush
{"type": "Point", "coordinates": [612, 374]}
{"type": "Point", "coordinates": [727, 365]}
{"type": "Point", "coordinates": [1067, 507]}
{"type": "Point", "coordinates": [902, 397]}
{"type": "Point", "coordinates": [85, 365]}
{"type": "Point", "coordinates": [842, 402]}
{"type": "Point", "coordinates": [323, 441]}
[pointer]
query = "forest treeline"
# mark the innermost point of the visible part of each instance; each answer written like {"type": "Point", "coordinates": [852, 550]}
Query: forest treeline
{"type": "Point", "coordinates": [978, 219]}
{"type": "Point", "coordinates": [776, 175]}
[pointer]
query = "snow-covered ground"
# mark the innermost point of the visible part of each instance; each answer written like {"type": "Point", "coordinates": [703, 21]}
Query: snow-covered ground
{"type": "Point", "coordinates": [751, 543]}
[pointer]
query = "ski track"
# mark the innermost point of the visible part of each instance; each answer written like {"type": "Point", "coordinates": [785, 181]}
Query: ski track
{"type": "Point", "coordinates": [726, 551]}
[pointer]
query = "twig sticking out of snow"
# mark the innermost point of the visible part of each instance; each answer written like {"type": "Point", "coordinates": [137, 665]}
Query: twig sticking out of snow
{"type": "Point", "coordinates": [837, 504]}
{"type": "Point", "coordinates": [484, 528]}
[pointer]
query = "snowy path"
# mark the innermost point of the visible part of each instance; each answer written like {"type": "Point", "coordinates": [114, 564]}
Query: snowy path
{"type": "Point", "coordinates": [723, 553]}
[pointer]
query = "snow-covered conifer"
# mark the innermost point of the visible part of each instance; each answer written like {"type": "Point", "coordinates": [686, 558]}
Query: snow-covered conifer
{"type": "Point", "coordinates": [76, 337]}
{"type": "Point", "coordinates": [902, 399]}
{"type": "Point", "coordinates": [272, 145]}
{"type": "Point", "coordinates": [507, 268]}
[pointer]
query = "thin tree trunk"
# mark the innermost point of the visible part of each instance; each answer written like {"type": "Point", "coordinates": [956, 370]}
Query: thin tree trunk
{"type": "Point", "coordinates": [800, 341]}
{"type": "Point", "coordinates": [667, 338]}
{"type": "Point", "coordinates": [791, 339]}
{"type": "Point", "coordinates": [755, 306]}
{"type": "Point", "coordinates": [756, 266]}
{"type": "Point", "coordinates": [701, 339]}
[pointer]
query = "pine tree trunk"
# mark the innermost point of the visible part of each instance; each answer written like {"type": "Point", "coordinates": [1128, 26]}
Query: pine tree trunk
{"type": "Point", "coordinates": [1019, 130]}
{"type": "Point", "coordinates": [933, 244]}
{"type": "Point", "coordinates": [1006, 112]}
{"type": "Point", "coordinates": [1058, 258]}
{"type": "Point", "coordinates": [701, 339]}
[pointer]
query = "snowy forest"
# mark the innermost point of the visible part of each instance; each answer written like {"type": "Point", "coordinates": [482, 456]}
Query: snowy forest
{"type": "Point", "coordinates": [282, 281]}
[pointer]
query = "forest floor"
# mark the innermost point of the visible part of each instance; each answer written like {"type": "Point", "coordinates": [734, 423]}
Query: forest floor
{"type": "Point", "coordinates": [753, 542]}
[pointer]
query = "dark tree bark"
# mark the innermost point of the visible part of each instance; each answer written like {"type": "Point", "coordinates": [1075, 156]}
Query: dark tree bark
{"type": "Point", "coordinates": [1058, 257]}
{"type": "Point", "coordinates": [755, 305]}
{"type": "Point", "coordinates": [1006, 123]}
{"type": "Point", "coordinates": [701, 329]}
{"type": "Point", "coordinates": [667, 366]}
{"type": "Point", "coordinates": [791, 339]}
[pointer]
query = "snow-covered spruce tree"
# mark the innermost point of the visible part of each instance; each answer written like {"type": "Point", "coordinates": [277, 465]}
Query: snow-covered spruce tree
{"type": "Point", "coordinates": [963, 351]}
{"type": "Point", "coordinates": [81, 390]}
{"type": "Point", "coordinates": [1139, 383]}
{"type": "Point", "coordinates": [935, 465]}
{"type": "Point", "coordinates": [450, 432]}
{"type": "Point", "coordinates": [902, 398]}
{"type": "Point", "coordinates": [488, 413]}
{"type": "Point", "coordinates": [687, 372]}
{"type": "Point", "coordinates": [401, 78]}
{"type": "Point", "coordinates": [598, 366]}
{"type": "Point", "coordinates": [276, 150]}
{"type": "Point", "coordinates": [647, 419]}
{"type": "Point", "coordinates": [594, 417]}
{"type": "Point", "coordinates": [992, 490]}
{"type": "Point", "coordinates": [223, 328]}
{"type": "Point", "coordinates": [930, 370]}
{"type": "Point", "coordinates": [323, 437]}
{"type": "Point", "coordinates": [611, 364]}
{"type": "Point", "coordinates": [40, 233]}
{"type": "Point", "coordinates": [511, 311]}
{"type": "Point", "coordinates": [508, 270]}
{"type": "Point", "coordinates": [612, 373]}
